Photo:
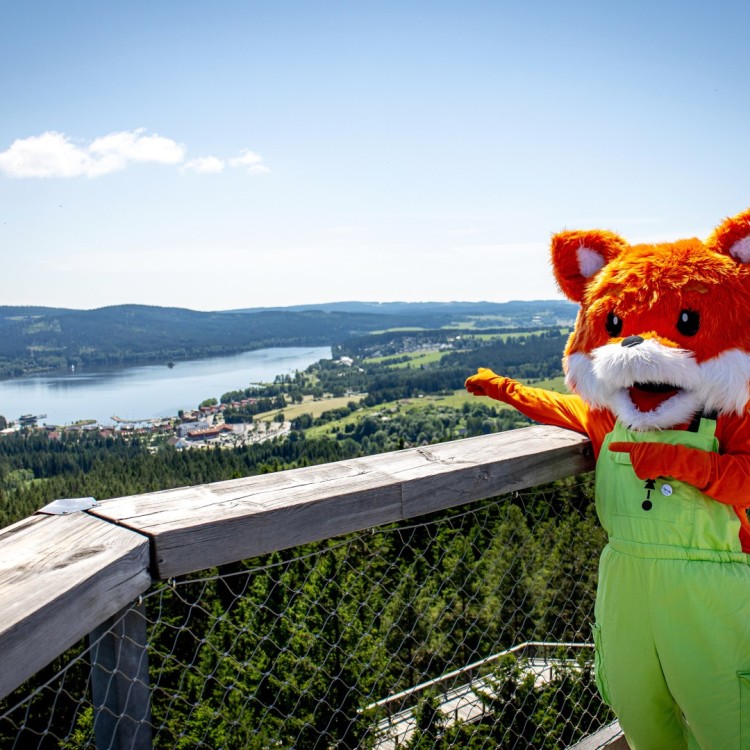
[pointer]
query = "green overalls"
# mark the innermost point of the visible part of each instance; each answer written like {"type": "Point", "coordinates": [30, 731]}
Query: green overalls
{"type": "Point", "coordinates": [673, 605]}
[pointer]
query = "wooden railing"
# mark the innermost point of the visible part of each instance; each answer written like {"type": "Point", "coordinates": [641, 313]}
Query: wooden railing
{"type": "Point", "coordinates": [63, 576]}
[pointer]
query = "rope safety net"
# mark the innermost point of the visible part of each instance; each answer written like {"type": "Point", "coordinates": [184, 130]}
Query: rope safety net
{"type": "Point", "coordinates": [470, 628]}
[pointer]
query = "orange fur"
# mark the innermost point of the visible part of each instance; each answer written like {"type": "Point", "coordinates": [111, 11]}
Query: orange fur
{"type": "Point", "coordinates": [565, 263]}
{"type": "Point", "coordinates": [729, 232]}
{"type": "Point", "coordinates": [648, 286]}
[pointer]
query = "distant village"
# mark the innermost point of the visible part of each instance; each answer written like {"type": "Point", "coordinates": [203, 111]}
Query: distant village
{"type": "Point", "coordinates": [196, 428]}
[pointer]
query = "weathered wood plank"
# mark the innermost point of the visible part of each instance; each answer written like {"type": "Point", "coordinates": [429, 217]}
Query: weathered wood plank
{"type": "Point", "coordinates": [193, 528]}
{"type": "Point", "coordinates": [60, 576]}
{"type": "Point", "coordinates": [607, 738]}
{"type": "Point", "coordinates": [477, 468]}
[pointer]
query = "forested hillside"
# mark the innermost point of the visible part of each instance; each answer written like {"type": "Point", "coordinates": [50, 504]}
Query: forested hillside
{"type": "Point", "coordinates": [36, 338]}
{"type": "Point", "coordinates": [116, 335]}
{"type": "Point", "coordinates": [516, 313]}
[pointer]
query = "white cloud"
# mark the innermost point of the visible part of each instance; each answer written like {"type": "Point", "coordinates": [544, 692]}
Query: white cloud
{"type": "Point", "coordinates": [47, 155]}
{"type": "Point", "coordinates": [205, 165]}
{"type": "Point", "coordinates": [134, 146]}
{"type": "Point", "coordinates": [251, 161]}
{"type": "Point", "coordinates": [54, 154]}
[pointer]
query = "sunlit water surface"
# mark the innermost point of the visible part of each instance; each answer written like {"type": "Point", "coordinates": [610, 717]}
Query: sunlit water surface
{"type": "Point", "coordinates": [148, 391]}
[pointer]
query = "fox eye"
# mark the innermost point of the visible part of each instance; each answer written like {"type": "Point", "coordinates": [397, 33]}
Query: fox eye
{"type": "Point", "coordinates": [613, 325]}
{"type": "Point", "coordinates": [688, 322]}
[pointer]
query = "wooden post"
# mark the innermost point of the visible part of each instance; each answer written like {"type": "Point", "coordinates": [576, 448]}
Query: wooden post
{"type": "Point", "coordinates": [119, 682]}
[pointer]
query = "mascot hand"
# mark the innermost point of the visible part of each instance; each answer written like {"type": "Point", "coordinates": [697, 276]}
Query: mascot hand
{"type": "Point", "coordinates": [477, 384]}
{"type": "Point", "coordinates": [651, 460]}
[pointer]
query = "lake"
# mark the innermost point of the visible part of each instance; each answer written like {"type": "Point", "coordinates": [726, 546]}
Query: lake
{"type": "Point", "coordinates": [148, 391]}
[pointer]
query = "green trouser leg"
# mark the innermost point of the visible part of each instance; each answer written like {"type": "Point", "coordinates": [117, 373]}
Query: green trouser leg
{"type": "Point", "coordinates": [673, 643]}
{"type": "Point", "coordinates": [628, 673]}
{"type": "Point", "coordinates": [673, 606]}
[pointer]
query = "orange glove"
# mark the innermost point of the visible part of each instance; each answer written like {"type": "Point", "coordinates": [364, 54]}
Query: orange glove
{"type": "Point", "coordinates": [651, 460]}
{"type": "Point", "coordinates": [485, 383]}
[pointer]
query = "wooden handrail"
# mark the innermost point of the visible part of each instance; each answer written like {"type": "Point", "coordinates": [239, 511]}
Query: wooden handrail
{"type": "Point", "coordinates": [61, 576]}
{"type": "Point", "coordinates": [194, 528]}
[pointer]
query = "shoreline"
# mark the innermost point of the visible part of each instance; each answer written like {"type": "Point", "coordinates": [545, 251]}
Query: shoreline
{"type": "Point", "coordinates": [151, 392]}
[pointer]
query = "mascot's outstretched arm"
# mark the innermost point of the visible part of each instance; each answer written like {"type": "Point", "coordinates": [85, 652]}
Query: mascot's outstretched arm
{"type": "Point", "coordinates": [538, 404]}
{"type": "Point", "coordinates": [724, 477]}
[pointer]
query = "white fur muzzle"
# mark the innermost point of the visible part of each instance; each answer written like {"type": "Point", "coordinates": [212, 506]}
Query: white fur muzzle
{"type": "Point", "coordinates": [604, 377]}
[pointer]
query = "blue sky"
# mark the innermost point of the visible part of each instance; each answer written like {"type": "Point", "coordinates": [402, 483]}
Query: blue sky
{"type": "Point", "coordinates": [216, 155]}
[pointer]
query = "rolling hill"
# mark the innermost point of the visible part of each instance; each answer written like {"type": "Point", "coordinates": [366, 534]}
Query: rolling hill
{"type": "Point", "coordinates": [40, 338]}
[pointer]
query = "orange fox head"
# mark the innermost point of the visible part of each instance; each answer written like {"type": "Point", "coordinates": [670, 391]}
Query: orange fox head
{"type": "Point", "coordinates": [663, 330]}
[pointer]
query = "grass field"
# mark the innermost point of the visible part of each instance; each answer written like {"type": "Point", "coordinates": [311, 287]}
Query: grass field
{"type": "Point", "coordinates": [455, 401]}
{"type": "Point", "coordinates": [511, 335]}
{"type": "Point", "coordinates": [415, 359]}
{"type": "Point", "coordinates": [339, 425]}
{"type": "Point", "coordinates": [404, 329]}
{"type": "Point", "coordinates": [471, 325]}
{"type": "Point", "coordinates": [551, 384]}
{"type": "Point", "coordinates": [308, 406]}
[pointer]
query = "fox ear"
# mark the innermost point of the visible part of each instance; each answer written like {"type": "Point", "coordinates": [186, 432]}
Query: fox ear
{"type": "Point", "coordinates": [577, 256]}
{"type": "Point", "coordinates": [732, 237]}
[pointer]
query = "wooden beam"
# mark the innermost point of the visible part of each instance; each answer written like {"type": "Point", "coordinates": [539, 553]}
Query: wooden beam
{"type": "Point", "coordinates": [59, 577]}
{"type": "Point", "coordinates": [607, 738]}
{"type": "Point", "coordinates": [194, 528]}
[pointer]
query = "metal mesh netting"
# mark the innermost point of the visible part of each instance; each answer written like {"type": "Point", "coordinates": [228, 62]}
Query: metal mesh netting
{"type": "Point", "coordinates": [470, 628]}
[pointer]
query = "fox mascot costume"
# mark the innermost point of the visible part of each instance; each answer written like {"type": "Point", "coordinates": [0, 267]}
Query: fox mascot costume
{"type": "Point", "coordinates": [659, 368]}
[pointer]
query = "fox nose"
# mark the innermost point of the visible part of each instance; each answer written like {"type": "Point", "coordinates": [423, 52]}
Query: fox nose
{"type": "Point", "coordinates": [632, 341]}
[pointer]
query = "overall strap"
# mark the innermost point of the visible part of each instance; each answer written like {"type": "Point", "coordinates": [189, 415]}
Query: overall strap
{"type": "Point", "coordinates": [704, 423]}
